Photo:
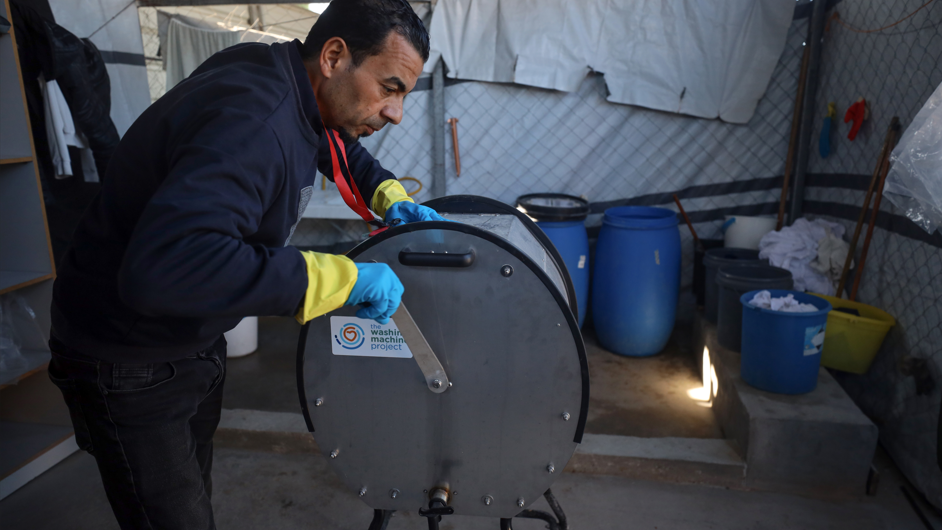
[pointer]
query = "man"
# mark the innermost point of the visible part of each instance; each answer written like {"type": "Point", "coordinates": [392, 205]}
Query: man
{"type": "Point", "coordinates": [189, 234]}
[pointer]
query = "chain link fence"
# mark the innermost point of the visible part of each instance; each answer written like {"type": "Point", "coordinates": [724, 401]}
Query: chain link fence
{"type": "Point", "coordinates": [871, 50]}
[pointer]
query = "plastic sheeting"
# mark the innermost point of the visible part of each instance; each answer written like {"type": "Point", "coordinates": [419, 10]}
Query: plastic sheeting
{"type": "Point", "coordinates": [704, 59]}
{"type": "Point", "coordinates": [914, 184]}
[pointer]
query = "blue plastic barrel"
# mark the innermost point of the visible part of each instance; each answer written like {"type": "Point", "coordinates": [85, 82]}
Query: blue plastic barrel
{"type": "Point", "coordinates": [781, 352]}
{"type": "Point", "coordinates": [562, 218]}
{"type": "Point", "coordinates": [636, 279]}
{"type": "Point", "coordinates": [572, 242]}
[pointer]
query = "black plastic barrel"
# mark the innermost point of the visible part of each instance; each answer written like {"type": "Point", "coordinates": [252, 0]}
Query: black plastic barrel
{"type": "Point", "coordinates": [699, 270]}
{"type": "Point", "coordinates": [562, 218]}
{"type": "Point", "coordinates": [716, 258]}
{"type": "Point", "coordinates": [735, 280]}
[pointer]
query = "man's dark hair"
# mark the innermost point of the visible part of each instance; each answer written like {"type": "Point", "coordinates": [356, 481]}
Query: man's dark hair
{"type": "Point", "coordinates": [364, 26]}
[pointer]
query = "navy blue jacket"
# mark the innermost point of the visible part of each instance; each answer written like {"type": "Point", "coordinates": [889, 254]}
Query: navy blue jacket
{"type": "Point", "coordinates": [189, 232]}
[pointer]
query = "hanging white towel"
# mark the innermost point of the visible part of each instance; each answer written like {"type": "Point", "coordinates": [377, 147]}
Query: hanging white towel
{"type": "Point", "coordinates": [188, 46]}
{"type": "Point", "coordinates": [61, 133]}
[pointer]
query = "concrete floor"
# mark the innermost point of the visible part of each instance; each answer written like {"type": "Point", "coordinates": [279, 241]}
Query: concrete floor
{"type": "Point", "coordinates": [264, 490]}
{"type": "Point", "coordinates": [647, 396]}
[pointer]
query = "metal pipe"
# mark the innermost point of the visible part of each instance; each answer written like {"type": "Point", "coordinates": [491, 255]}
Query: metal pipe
{"type": "Point", "coordinates": [793, 137]}
{"type": "Point", "coordinates": [380, 519]}
{"type": "Point", "coordinates": [557, 509]}
{"type": "Point", "coordinates": [438, 187]}
{"type": "Point", "coordinates": [541, 515]}
{"type": "Point", "coordinates": [818, 19]}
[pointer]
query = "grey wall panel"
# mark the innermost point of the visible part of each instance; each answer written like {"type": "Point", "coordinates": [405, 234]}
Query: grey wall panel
{"type": "Point", "coordinates": [23, 246]}
{"type": "Point", "coordinates": [14, 141]}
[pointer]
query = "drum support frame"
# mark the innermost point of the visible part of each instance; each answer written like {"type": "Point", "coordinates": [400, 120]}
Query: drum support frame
{"type": "Point", "coordinates": [556, 521]}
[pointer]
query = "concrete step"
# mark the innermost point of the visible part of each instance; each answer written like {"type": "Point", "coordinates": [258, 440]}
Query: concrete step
{"type": "Point", "coordinates": [680, 460]}
{"type": "Point", "coordinates": [817, 443]}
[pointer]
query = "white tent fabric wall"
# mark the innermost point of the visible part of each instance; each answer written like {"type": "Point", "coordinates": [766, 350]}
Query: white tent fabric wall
{"type": "Point", "coordinates": [703, 59]}
{"type": "Point", "coordinates": [895, 70]}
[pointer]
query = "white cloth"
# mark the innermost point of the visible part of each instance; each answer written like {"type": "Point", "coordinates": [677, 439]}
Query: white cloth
{"type": "Point", "coordinates": [188, 46]}
{"type": "Point", "coordinates": [61, 133]}
{"type": "Point", "coordinates": [796, 248]}
{"type": "Point", "coordinates": [704, 59]}
{"type": "Point", "coordinates": [832, 251]}
{"type": "Point", "coordinates": [786, 304]}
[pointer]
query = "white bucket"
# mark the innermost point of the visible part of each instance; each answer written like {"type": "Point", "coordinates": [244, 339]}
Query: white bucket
{"type": "Point", "coordinates": [242, 339]}
{"type": "Point", "coordinates": [745, 232]}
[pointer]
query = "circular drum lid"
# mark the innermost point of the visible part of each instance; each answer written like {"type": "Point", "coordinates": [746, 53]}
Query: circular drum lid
{"type": "Point", "coordinates": [554, 206]}
{"type": "Point", "coordinates": [508, 343]}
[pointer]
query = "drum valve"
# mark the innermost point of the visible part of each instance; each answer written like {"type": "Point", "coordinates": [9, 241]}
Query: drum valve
{"type": "Point", "coordinates": [437, 507]}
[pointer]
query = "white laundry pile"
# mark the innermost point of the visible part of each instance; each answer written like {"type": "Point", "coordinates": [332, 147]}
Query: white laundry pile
{"type": "Point", "coordinates": [61, 133]}
{"type": "Point", "coordinates": [786, 304]}
{"type": "Point", "coordinates": [813, 251]}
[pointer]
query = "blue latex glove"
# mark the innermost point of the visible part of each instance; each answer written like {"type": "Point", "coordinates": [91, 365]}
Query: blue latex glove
{"type": "Point", "coordinates": [410, 212]}
{"type": "Point", "coordinates": [377, 291]}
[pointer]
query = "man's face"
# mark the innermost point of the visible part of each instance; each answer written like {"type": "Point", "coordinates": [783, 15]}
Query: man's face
{"type": "Point", "coordinates": [358, 101]}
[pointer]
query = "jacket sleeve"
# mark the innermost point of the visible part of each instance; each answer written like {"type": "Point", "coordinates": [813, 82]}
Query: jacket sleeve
{"type": "Point", "coordinates": [187, 256]}
{"type": "Point", "coordinates": [367, 173]}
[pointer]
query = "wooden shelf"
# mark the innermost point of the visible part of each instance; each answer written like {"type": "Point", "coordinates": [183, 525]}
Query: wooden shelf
{"type": "Point", "coordinates": [35, 360]}
{"type": "Point", "coordinates": [13, 280]}
{"type": "Point", "coordinates": [35, 427]}
{"type": "Point", "coordinates": [23, 442]}
{"type": "Point", "coordinates": [29, 449]}
{"type": "Point", "coordinates": [20, 160]}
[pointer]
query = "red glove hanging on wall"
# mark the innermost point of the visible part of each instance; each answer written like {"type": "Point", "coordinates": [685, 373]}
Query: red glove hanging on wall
{"type": "Point", "coordinates": [856, 112]}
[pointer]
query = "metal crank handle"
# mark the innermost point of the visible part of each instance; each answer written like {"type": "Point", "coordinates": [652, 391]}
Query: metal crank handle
{"type": "Point", "coordinates": [431, 368]}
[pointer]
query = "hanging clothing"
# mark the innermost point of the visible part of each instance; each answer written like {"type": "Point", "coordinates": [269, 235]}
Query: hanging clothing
{"type": "Point", "coordinates": [47, 49]}
{"type": "Point", "coordinates": [189, 46]}
{"type": "Point", "coordinates": [61, 133]}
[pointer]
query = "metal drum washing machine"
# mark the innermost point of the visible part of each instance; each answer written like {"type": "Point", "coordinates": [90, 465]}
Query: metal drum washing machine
{"type": "Point", "coordinates": [472, 400]}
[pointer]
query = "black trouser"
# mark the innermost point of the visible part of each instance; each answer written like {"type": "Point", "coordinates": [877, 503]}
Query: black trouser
{"type": "Point", "coordinates": [150, 427]}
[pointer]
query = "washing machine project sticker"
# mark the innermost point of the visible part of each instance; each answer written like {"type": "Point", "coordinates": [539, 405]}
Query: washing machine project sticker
{"type": "Point", "coordinates": [366, 338]}
{"type": "Point", "coordinates": [814, 340]}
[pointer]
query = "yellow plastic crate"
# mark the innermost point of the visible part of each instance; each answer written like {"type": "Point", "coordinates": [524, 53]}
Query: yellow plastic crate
{"type": "Point", "coordinates": [851, 342]}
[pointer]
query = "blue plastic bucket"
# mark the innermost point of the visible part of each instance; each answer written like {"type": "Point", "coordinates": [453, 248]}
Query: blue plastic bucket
{"type": "Point", "coordinates": [572, 242]}
{"type": "Point", "coordinates": [636, 279]}
{"type": "Point", "coordinates": [781, 352]}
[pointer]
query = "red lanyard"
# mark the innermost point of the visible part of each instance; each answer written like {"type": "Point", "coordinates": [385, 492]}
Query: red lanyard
{"type": "Point", "coordinates": [349, 191]}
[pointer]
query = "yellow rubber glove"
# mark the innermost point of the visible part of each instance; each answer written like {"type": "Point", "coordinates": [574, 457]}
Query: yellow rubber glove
{"type": "Point", "coordinates": [330, 279]}
{"type": "Point", "coordinates": [388, 192]}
